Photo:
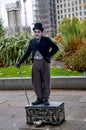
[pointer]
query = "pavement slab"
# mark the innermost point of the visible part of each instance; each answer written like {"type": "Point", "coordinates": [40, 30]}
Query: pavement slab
{"type": "Point", "coordinates": [13, 114]}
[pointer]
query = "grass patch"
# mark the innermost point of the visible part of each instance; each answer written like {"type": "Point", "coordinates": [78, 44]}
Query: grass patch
{"type": "Point", "coordinates": [62, 72]}
{"type": "Point", "coordinates": [26, 72]}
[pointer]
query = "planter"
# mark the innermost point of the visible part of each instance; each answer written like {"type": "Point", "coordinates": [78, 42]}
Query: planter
{"type": "Point", "coordinates": [57, 82]}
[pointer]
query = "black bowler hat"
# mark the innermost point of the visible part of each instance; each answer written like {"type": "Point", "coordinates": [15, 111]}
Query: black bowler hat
{"type": "Point", "coordinates": [38, 26]}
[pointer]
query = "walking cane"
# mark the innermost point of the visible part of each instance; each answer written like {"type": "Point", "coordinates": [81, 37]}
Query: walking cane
{"type": "Point", "coordinates": [24, 86]}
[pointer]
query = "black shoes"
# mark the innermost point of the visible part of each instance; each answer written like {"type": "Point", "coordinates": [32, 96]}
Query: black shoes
{"type": "Point", "coordinates": [40, 101]}
{"type": "Point", "coordinates": [37, 102]}
{"type": "Point", "coordinates": [46, 102]}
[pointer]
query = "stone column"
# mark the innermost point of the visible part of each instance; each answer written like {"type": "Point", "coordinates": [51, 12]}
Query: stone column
{"type": "Point", "coordinates": [14, 17]}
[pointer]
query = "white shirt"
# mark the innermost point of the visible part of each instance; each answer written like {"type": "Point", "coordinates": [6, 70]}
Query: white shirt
{"type": "Point", "coordinates": [38, 54]}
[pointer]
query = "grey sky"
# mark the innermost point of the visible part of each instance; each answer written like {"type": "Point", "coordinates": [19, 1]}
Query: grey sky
{"type": "Point", "coordinates": [3, 13]}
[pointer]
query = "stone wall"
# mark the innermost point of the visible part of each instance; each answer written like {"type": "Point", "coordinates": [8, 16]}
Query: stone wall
{"type": "Point", "coordinates": [58, 82]}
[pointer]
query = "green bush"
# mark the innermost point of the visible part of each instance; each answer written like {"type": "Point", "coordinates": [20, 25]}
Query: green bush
{"type": "Point", "coordinates": [12, 48]}
{"type": "Point", "coordinates": [73, 42]}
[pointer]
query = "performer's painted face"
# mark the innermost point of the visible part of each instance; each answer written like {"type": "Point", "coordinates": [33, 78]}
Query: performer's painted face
{"type": "Point", "coordinates": [38, 33]}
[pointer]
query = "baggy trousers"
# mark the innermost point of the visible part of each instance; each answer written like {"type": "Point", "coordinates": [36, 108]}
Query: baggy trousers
{"type": "Point", "coordinates": [41, 78]}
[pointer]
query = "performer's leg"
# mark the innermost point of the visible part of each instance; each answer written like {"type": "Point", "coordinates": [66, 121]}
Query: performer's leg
{"type": "Point", "coordinates": [46, 81]}
{"type": "Point", "coordinates": [37, 83]}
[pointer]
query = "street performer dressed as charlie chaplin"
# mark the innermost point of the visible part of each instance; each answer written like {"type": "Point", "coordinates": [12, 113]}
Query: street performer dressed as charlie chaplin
{"type": "Point", "coordinates": [42, 49]}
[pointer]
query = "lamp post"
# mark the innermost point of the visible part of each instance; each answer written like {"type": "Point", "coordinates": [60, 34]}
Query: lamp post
{"type": "Point", "coordinates": [25, 13]}
{"type": "Point", "coordinates": [84, 73]}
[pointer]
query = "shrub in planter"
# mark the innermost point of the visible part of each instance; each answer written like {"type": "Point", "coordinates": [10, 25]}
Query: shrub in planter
{"type": "Point", "coordinates": [72, 41]}
{"type": "Point", "coordinates": [12, 48]}
{"type": "Point", "coordinates": [77, 61]}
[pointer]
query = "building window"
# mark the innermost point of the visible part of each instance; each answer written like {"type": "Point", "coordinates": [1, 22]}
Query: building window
{"type": "Point", "coordinates": [57, 6]}
{"type": "Point", "coordinates": [64, 4]}
{"type": "Point", "coordinates": [61, 11]}
{"type": "Point", "coordinates": [69, 15]}
{"type": "Point", "coordinates": [80, 7]}
{"type": "Point", "coordinates": [85, 13]}
{"type": "Point", "coordinates": [75, 2]}
{"type": "Point", "coordinates": [64, 10]}
{"type": "Point", "coordinates": [68, 4]}
{"type": "Point", "coordinates": [69, 10]}
{"type": "Point", "coordinates": [72, 9]}
{"type": "Point", "coordinates": [72, 14]}
{"type": "Point", "coordinates": [84, 1]}
{"type": "Point", "coordinates": [79, 1]}
{"type": "Point", "coordinates": [80, 13]}
{"type": "Point", "coordinates": [76, 8]}
{"type": "Point", "coordinates": [60, 0]}
{"type": "Point", "coordinates": [72, 3]}
{"type": "Point", "coordinates": [58, 17]}
{"type": "Point", "coordinates": [76, 14]}
{"type": "Point", "coordinates": [61, 6]}
{"type": "Point", "coordinates": [58, 12]}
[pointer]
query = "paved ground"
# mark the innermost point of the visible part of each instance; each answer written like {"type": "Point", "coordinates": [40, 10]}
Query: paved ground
{"type": "Point", "coordinates": [12, 112]}
{"type": "Point", "coordinates": [58, 63]}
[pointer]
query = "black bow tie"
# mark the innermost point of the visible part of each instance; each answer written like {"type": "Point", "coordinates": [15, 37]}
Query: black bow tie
{"type": "Point", "coordinates": [37, 41]}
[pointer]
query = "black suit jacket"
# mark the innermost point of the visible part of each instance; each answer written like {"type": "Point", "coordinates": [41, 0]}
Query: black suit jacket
{"type": "Point", "coordinates": [46, 47]}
